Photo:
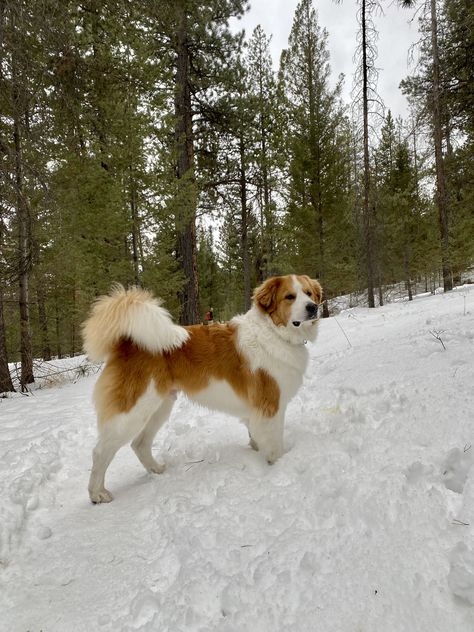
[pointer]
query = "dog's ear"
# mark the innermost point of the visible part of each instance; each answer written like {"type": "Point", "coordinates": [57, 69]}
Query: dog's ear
{"type": "Point", "coordinates": [317, 290]}
{"type": "Point", "coordinates": [265, 295]}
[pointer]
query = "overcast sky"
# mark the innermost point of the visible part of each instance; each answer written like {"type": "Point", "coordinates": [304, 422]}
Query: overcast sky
{"type": "Point", "coordinates": [396, 34]}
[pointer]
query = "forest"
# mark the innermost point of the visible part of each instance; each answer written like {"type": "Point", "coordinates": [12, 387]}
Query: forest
{"type": "Point", "coordinates": [150, 143]}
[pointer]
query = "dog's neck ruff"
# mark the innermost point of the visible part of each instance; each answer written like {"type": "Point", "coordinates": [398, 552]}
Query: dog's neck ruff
{"type": "Point", "coordinates": [256, 331]}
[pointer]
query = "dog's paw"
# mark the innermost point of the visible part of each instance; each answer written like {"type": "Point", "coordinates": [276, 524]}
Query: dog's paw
{"type": "Point", "coordinates": [157, 468]}
{"type": "Point", "coordinates": [253, 444]}
{"type": "Point", "coordinates": [272, 456]}
{"type": "Point", "coordinates": [101, 496]}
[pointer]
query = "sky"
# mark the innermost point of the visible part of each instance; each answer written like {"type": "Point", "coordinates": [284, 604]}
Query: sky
{"type": "Point", "coordinates": [396, 34]}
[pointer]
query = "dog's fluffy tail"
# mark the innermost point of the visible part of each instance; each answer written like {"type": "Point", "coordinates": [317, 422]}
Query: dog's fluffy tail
{"type": "Point", "coordinates": [134, 314]}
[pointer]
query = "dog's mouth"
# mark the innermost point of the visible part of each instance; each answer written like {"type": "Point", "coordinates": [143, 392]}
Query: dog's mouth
{"type": "Point", "coordinates": [297, 323]}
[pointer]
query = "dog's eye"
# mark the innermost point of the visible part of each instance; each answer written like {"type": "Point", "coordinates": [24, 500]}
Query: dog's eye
{"type": "Point", "coordinates": [290, 297]}
{"type": "Point", "coordinates": [309, 293]}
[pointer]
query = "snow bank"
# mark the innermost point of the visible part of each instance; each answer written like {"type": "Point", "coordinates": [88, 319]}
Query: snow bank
{"type": "Point", "coordinates": [51, 373]}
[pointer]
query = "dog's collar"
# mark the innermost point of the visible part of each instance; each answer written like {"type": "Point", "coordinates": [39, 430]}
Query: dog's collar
{"type": "Point", "coordinates": [292, 343]}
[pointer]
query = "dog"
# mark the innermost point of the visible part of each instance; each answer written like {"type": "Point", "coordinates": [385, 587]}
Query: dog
{"type": "Point", "coordinates": [250, 367]}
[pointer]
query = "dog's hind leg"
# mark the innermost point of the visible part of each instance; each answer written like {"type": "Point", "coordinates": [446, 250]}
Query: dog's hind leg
{"type": "Point", "coordinates": [102, 455]}
{"type": "Point", "coordinates": [115, 433]}
{"type": "Point", "coordinates": [144, 440]}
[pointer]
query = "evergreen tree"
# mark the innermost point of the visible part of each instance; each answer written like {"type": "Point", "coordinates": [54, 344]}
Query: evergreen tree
{"type": "Point", "coordinates": [263, 156]}
{"type": "Point", "coordinates": [318, 187]}
{"type": "Point", "coordinates": [458, 51]}
{"type": "Point", "coordinates": [444, 73]}
{"type": "Point", "coordinates": [196, 39]}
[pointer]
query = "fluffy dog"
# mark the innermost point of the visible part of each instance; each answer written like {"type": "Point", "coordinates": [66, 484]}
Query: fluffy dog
{"type": "Point", "coordinates": [250, 367]}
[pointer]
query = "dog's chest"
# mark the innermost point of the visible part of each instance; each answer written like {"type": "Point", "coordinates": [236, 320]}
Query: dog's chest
{"type": "Point", "coordinates": [219, 395]}
{"type": "Point", "coordinates": [289, 381]}
{"type": "Point", "coordinates": [284, 363]}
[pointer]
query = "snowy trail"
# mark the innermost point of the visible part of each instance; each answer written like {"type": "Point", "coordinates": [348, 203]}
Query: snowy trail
{"type": "Point", "coordinates": [365, 524]}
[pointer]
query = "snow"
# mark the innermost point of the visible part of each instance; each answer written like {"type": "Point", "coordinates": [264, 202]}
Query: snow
{"type": "Point", "coordinates": [366, 523]}
{"type": "Point", "coordinates": [54, 372]}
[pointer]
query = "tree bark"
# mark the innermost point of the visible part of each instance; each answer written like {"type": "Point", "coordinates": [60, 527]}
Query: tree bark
{"type": "Point", "coordinates": [6, 383]}
{"type": "Point", "coordinates": [267, 229]}
{"type": "Point", "coordinates": [24, 244]}
{"type": "Point", "coordinates": [244, 226]}
{"type": "Point", "coordinates": [406, 267]}
{"type": "Point", "coordinates": [135, 227]}
{"type": "Point", "coordinates": [367, 213]}
{"type": "Point", "coordinates": [441, 188]}
{"type": "Point", "coordinates": [315, 192]}
{"type": "Point", "coordinates": [59, 352]}
{"type": "Point", "coordinates": [43, 323]}
{"type": "Point", "coordinates": [187, 199]}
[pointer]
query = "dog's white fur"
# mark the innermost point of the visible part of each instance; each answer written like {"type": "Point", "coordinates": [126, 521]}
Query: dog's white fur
{"type": "Point", "coordinates": [134, 314]}
{"type": "Point", "coordinates": [279, 350]}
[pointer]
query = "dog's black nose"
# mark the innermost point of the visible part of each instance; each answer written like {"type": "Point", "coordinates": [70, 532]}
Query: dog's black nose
{"type": "Point", "coordinates": [312, 309]}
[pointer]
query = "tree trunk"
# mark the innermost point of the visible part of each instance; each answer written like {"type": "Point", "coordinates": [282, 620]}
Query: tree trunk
{"type": "Point", "coordinates": [415, 163]}
{"type": "Point", "coordinates": [24, 250]}
{"type": "Point", "coordinates": [58, 329]}
{"type": "Point", "coordinates": [6, 383]}
{"type": "Point", "coordinates": [135, 228]}
{"type": "Point", "coordinates": [244, 227]}
{"type": "Point", "coordinates": [267, 229]}
{"type": "Point", "coordinates": [315, 152]}
{"type": "Point", "coordinates": [406, 265]}
{"type": "Point", "coordinates": [186, 196]}
{"type": "Point", "coordinates": [43, 323]}
{"type": "Point", "coordinates": [367, 213]}
{"type": "Point", "coordinates": [441, 188]}
{"type": "Point", "coordinates": [73, 321]}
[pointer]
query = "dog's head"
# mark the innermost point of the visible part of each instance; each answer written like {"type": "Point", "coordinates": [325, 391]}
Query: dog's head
{"type": "Point", "coordinates": [291, 301]}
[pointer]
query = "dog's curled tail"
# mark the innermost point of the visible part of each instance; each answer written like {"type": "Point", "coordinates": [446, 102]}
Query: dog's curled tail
{"type": "Point", "coordinates": [134, 314]}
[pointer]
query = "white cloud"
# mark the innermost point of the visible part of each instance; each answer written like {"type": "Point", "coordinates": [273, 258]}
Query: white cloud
{"type": "Point", "coordinates": [396, 34]}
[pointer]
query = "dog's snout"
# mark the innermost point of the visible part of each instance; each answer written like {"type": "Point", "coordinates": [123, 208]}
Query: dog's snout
{"type": "Point", "coordinates": [312, 309]}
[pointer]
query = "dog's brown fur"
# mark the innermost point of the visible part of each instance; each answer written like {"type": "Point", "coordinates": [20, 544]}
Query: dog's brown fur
{"type": "Point", "coordinates": [210, 353]}
{"type": "Point", "coordinates": [273, 296]}
{"type": "Point", "coordinates": [250, 367]}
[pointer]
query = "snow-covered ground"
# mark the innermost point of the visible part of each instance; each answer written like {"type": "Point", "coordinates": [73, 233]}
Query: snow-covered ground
{"type": "Point", "coordinates": [365, 524]}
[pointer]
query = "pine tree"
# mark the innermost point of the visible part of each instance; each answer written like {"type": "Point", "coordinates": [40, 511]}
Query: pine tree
{"type": "Point", "coordinates": [189, 31]}
{"type": "Point", "coordinates": [441, 183]}
{"type": "Point", "coordinates": [430, 89]}
{"type": "Point", "coordinates": [263, 156]}
{"type": "Point", "coordinates": [21, 78]}
{"type": "Point", "coordinates": [318, 162]}
{"type": "Point", "coordinates": [457, 53]}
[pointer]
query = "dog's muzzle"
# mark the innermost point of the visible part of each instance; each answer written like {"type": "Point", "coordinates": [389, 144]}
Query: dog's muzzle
{"type": "Point", "coordinates": [312, 314]}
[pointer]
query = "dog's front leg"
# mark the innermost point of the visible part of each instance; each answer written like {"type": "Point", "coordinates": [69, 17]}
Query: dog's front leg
{"type": "Point", "coordinates": [267, 434]}
{"type": "Point", "coordinates": [252, 442]}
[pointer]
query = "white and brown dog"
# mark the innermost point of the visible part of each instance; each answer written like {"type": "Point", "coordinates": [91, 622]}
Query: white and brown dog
{"type": "Point", "coordinates": [250, 367]}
